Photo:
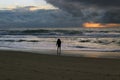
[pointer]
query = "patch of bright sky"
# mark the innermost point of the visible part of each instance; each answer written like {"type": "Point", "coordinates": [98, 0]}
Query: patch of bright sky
{"type": "Point", "coordinates": [9, 4]}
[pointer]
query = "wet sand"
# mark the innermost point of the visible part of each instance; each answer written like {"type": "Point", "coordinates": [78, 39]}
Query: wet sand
{"type": "Point", "coordinates": [16, 65]}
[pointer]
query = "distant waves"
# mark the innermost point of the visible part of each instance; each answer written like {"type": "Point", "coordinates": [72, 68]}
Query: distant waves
{"type": "Point", "coordinates": [60, 32]}
{"type": "Point", "coordinates": [72, 39]}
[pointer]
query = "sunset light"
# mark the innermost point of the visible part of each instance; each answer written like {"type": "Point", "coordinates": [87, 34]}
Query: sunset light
{"type": "Point", "coordinates": [42, 7]}
{"type": "Point", "coordinates": [99, 25]}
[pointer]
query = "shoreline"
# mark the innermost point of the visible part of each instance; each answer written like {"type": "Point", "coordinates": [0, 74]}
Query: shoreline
{"type": "Point", "coordinates": [72, 53]}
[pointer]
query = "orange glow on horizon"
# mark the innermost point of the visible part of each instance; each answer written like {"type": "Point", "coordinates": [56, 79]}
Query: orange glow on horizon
{"type": "Point", "coordinates": [31, 8]}
{"type": "Point", "coordinates": [99, 25]}
{"type": "Point", "coordinates": [41, 7]}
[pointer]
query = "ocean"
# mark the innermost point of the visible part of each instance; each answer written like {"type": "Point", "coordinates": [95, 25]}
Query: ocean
{"type": "Point", "coordinates": [86, 39]}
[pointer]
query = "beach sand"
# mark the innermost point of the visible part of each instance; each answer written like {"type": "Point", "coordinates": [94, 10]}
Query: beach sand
{"type": "Point", "coordinates": [16, 65]}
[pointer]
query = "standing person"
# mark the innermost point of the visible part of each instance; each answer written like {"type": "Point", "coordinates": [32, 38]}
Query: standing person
{"type": "Point", "coordinates": [58, 44]}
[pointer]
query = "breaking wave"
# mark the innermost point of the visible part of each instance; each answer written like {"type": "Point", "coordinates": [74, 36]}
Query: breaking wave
{"type": "Point", "coordinates": [61, 32]}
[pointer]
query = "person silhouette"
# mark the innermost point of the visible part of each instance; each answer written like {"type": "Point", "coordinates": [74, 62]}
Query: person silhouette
{"type": "Point", "coordinates": [58, 44]}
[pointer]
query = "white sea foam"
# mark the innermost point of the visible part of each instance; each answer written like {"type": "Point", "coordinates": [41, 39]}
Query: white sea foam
{"type": "Point", "coordinates": [77, 39]}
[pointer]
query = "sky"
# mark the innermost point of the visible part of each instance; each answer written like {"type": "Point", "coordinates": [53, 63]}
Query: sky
{"type": "Point", "coordinates": [87, 13]}
{"type": "Point", "coordinates": [100, 12]}
{"type": "Point", "coordinates": [21, 3]}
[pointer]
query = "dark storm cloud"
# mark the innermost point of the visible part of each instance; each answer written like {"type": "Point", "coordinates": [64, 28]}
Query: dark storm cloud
{"type": "Point", "coordinates": [99, 3]}
{"type": "Point", "coordinates": [23, 17]}
{"type": "Point", "coordinates": [106, 11]}
{"type": "Point", "coordinates": [112, 16]}
{"type": "Point", "coordinates": [78, 3]}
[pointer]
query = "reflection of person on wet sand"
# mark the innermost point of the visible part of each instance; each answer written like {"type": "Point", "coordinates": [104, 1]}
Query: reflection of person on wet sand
{"type": "Point", "coordinates": [58, 44]}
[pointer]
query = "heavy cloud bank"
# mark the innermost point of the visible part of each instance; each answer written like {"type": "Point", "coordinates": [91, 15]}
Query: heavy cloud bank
{"type": "Point", "coordinates": [103, 11]}
{"type": "Point", "coordinates": [24, 17]}
{"type": "Point", "coordinates": [71, 13]}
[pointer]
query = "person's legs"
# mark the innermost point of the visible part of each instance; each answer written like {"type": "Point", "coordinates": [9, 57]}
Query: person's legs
{"type": "Point", "coordinates": [57, 50]}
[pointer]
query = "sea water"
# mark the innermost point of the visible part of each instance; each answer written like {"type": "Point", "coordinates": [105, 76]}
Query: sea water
{"type": "Point", "coordinates": [90, 39]}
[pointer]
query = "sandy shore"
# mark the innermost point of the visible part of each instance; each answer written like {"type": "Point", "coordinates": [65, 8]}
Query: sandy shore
{"type": "Point", "coordinates": [16, 65]}
{"type": "Point", "coordinates": [80, 53]}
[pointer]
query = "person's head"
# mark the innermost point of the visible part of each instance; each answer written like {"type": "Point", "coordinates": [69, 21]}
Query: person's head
{"type": "Point", "coordinates": [58, 38]}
